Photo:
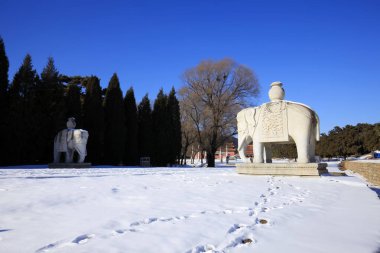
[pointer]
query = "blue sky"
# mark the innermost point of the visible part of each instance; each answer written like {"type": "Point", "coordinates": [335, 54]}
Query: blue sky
{"type": "Point", "coordinates": [327, 53]}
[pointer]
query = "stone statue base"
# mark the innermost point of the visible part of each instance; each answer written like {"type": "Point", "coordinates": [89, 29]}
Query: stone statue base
{"type": "Point", "coordinates": [69, 165]}
{"type": "Point", "coordinates": [284, 169]}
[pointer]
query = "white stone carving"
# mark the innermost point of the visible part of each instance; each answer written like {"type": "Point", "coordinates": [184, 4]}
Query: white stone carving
{"type": "Point", "coordinates": [274, 122]}
{"type": "Point", "coordinates": [278, 121]}
{"type": "Point", "coordinates": [276, 92]}
{"type": "Point", "coordinates": [70, 140]}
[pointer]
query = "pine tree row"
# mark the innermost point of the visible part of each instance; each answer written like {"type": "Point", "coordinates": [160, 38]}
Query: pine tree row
{"type": "Point", "coordinates": [35, 107]}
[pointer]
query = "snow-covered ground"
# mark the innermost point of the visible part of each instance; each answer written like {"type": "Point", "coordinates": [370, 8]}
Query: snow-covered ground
{"type": "Point", "coordinates": [184, 210]}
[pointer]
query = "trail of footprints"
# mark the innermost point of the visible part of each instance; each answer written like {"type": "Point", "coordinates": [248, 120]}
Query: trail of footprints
{"type": "Point", "coordinates": [242, 235]}
{"type": "Point", "coordinates": [238, 235]}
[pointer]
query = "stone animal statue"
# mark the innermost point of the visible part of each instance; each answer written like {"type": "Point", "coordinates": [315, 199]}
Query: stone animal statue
{"type": "Point", "coordinates": [281, 122]}
{"type": "Point", "coordinates": [70, 140]}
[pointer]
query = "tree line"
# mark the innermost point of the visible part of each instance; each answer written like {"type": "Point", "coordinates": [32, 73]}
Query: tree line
{"type": "Point", "coordinates": [34, 107]}
{"type": "Point", "coordinates": [339, 142]}
{"type": "Point", "coordinates": [349, 140]}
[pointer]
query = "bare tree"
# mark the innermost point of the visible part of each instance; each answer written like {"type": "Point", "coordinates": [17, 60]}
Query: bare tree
{"type": "Point", "coordinates": [213, 93]}
{"type": "Point", "coordinates": [189, 133]}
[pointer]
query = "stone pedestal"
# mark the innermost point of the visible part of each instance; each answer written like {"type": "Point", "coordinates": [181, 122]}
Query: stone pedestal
{"type": "Point", "coordinates": [69, 165]}
{"type": "Point", "coordinates": [284, 169]}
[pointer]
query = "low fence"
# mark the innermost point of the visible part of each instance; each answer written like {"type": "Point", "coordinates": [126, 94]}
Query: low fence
{"type": "Point", "coordinates": [369, 170]}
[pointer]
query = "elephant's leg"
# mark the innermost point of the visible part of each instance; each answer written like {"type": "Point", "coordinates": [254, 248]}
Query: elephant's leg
{"type": "Point", "coordinates": [69, 156]}
{"type": "Point", "coordinates": [258, 148]}
{"type": "Point", "coordinates": [56, 156]}
{"type": "Point", "coordinates": [81, 149]}
{"type": "Point", "coordinates": [302, 145]}
{"type": "Point", "coordinates": [311, 153]}
{"type": "Point", "coordinates": [268, 153]}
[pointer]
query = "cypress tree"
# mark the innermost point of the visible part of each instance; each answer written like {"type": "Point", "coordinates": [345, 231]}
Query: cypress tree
{"type": "Point", "coordinates": [4, 68]}
{"type": "Point", "coordinates": [161, 126]}
{"type": "Point", "coordinates": [51, 103]}
{"type": "Point", "coordinates": [145, 128]}
{"type": "Point", "coordinates": [73, 104]}
{"type": "Point", "coordinates": [114, 123]}
{"type": "Point", "coordinates": [131, 125]}
{"type": "Point", "coordinates": [93, 120]}
{"type": "Point", "coordinates": [23, 127]}
{"type": "Point", "coordinates": [4, 83]}
{"type": "Point", "coordinates": [175, 143]}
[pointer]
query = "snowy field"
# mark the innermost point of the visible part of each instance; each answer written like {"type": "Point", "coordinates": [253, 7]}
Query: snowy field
{"type": "Point", "coordinates": [184, 210]}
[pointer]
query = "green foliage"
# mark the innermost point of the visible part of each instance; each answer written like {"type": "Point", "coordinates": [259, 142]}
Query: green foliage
{"type": "Point", "coordinates": [175, 142]}
{"type": "Point", "coordinates": [160, 124]}
{"type": "Point", "coordinates": [35, 109]}
{"type": "Point", "coordinates": [131, 126]}
{"type": "Point", "coordinates": [166, 123]}
{"type": "Point", "coordinates": [349, 140]}
{"type": "Point", "coordinates": [4, 106]}
{"type": "Point", "coordinates": [145, 131]}
{"type": "Point", "coordinates": [51, 108]}
{"type": "Point", "coordinates": [23, 123]}
{"type": "Point", "coordinates": [73, 104]}
{"type": "Point", "coordinates": [284, 151]}
{"type": "Point", "coordinates": [114, 123]}
{"type": "Point", "coordinates": [93, 120]}
{"type": "Point", "coordinates": [4, 68]}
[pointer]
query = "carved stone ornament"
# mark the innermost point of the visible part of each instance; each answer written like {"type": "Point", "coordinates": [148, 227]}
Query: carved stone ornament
{"type": "Point", "coordinates": [274, 122]}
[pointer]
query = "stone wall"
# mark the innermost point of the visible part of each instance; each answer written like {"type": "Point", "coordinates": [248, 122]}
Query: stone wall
{"type": "Point", "coordinates": [369, 170]}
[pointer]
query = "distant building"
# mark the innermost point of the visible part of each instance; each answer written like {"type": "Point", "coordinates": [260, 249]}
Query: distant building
{"type": "Point", "coordinates": [230, 148]}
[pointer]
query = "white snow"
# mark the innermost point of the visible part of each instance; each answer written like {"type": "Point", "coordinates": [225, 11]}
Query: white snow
{"type": "Point", "coordinates": [184, 210]}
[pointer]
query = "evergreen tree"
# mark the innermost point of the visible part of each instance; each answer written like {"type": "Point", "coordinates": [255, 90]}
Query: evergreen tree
{"type": "Point", "coordinates": [93, 120]}
{"type": "Point", "coordinates": [73, 104]}
{"type": "Point", "coordinates": [349, 140]}
{"type": "Point", "coordinates": [131, 125]}
{"type": "Point", "coordinates": [4, 68]}
{"type": "Point", "coordinates": [161, 125]}
{"type": "Point", "coordinates": [4, 128]}
{"type": "Point", "coordinates": [51, 106]}
{"type": "Point", "coordinates": [114, 123]}
{"type": "Point", "coordinates": [175, 143]}
{"type": "Point", "coordinates": [23, 127]}
{"type": "Point", "coordinates": [145, 128]}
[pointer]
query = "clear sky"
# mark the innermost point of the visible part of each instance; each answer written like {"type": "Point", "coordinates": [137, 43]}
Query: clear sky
{"type": "Point", "coordinates": [327, 53]}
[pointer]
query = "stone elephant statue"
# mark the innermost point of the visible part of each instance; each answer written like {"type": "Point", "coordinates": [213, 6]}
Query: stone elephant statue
{"type": "Point", "coordinates": [68, 141]}
{"type": "Point", "coordinates": [278, 122]}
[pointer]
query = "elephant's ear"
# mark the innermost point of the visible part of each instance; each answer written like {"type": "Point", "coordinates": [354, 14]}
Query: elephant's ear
{"type": "Point", "coordinates": [317, 127]}
{"type": "Point", "coordinates": [84, 134]}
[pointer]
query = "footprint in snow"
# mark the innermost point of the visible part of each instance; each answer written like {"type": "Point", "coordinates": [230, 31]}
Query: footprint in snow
{"type": "Point", "coordinates": [49, 247]}
{"type": "Point", "coordinates": [146, 221]}
{"type": "Point", "coordinates": [83, 238]}
{"type": "Point", "coordinates": [241, 241]}
{"type": "Point", "coordinates": [236, 227]}
{"type": "Point", "coordinates": [123, 231]}
{"type": "Point", "coordinates": [202, 248]}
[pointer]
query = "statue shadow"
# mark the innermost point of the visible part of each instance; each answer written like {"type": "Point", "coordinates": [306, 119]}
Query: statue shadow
{"type": "Point", "coordinates": [377, 191]}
